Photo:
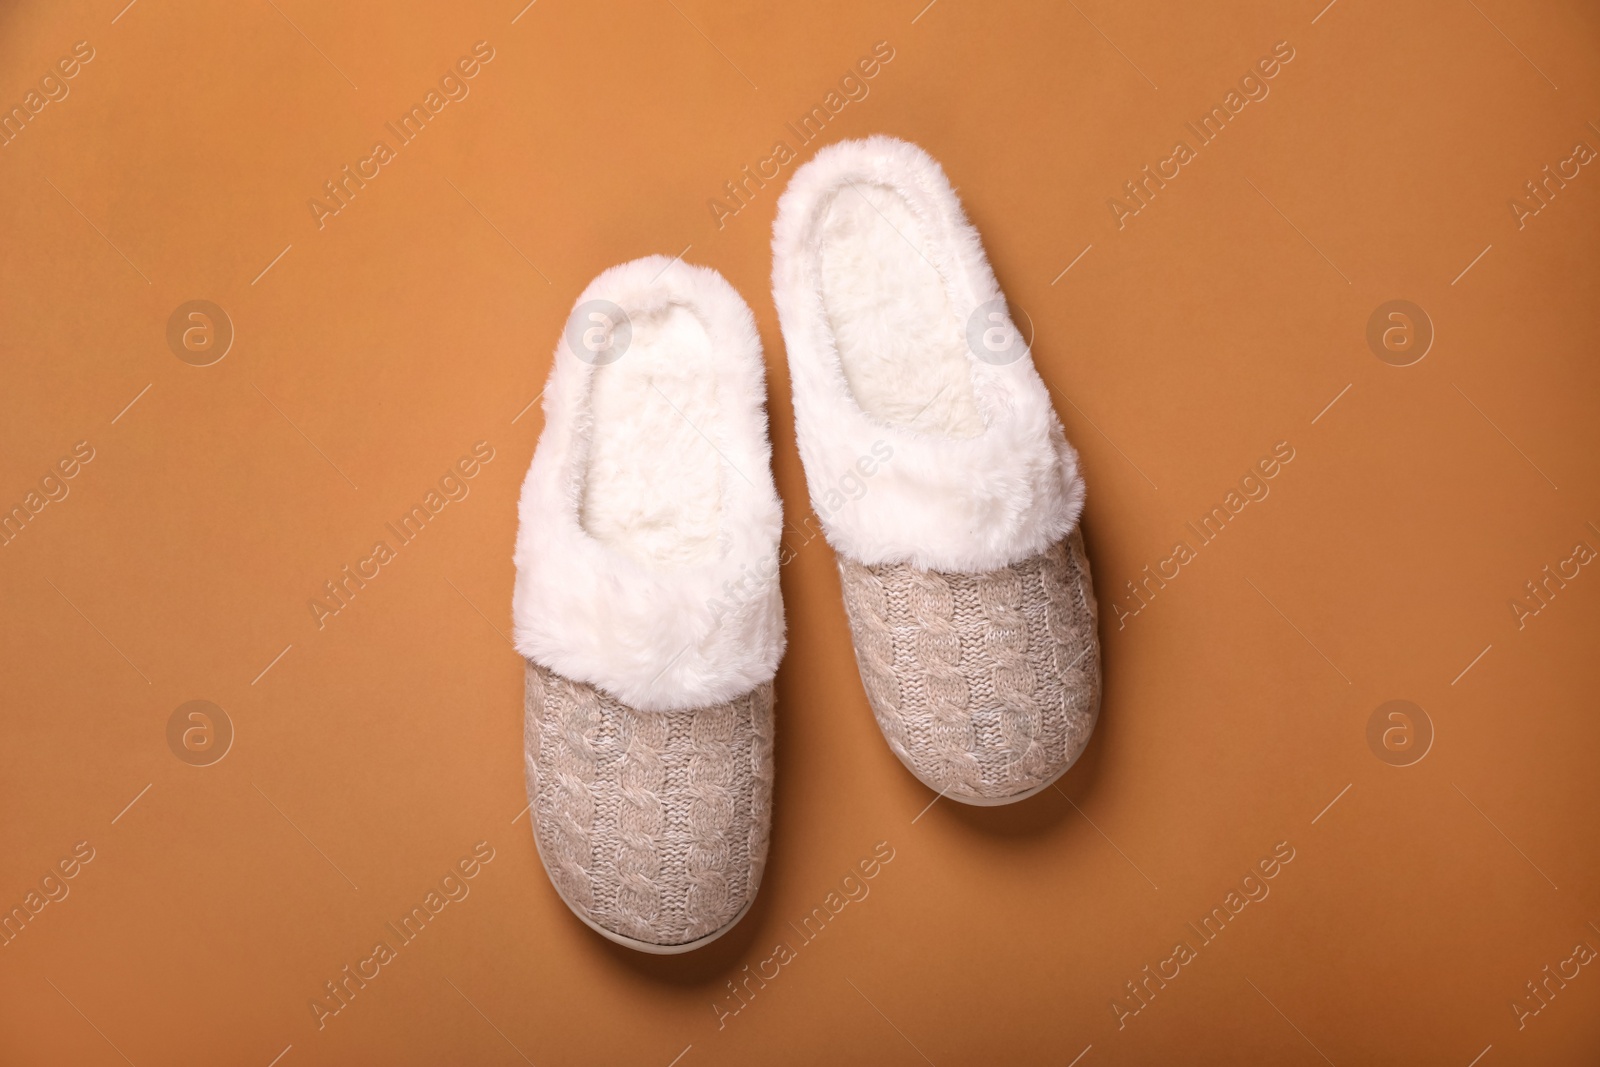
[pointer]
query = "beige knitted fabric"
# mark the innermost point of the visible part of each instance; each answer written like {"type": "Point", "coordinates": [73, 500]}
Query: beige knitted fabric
{"type": "Point", "coordinates": [652, 825]}
{"type": "Point", "coordinates": [986, 686]}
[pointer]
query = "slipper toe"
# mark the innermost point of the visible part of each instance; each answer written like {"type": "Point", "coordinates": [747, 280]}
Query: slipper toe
{"type": "Point", "coordinates": [653, 826]}
{"type": "Point", "coordinates": [986, 685]}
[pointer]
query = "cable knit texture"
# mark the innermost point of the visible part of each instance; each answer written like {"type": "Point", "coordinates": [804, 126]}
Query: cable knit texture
{"type": "Point", "coordinates": [653, 825]}
{"type": "Point", "coordinates": [986, 685]}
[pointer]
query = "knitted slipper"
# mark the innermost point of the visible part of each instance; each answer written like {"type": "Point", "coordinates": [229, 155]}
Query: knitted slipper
{"type": "Point", "coordinates": [941, 475]}
{"type": "Point", "coordinates": [647, 607]}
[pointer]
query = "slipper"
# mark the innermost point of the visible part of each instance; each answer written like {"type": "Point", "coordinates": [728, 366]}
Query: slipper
{"type": "Point", "coordinates": [648, 610]}
{"type": "Point", "coordinates": [941, 475]}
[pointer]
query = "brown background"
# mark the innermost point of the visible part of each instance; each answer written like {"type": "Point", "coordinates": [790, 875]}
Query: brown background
{"type": "Point", "coordinates": [1224, 318]}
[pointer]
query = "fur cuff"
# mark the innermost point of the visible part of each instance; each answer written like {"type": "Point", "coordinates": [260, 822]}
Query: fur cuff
{"type": "Point", "coordinates": [986, 477]}
{"type": "Point", "coordinates": [647, 554]}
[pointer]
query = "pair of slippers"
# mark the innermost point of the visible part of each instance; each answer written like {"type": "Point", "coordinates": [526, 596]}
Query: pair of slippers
{"type": "Point", "coordinates": [647, 600]}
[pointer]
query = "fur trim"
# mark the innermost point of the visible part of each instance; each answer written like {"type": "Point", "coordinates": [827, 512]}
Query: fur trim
{"type": "Point", "coordinates": [981, 475]}
{"type": "Point", "coordinates": [647, 555]}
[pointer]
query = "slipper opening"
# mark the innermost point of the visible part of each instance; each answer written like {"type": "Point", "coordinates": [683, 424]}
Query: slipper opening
{"type": "Point", "coordinates": [652, 485]}
{"type": "Point", "coordinates": [901, 347]}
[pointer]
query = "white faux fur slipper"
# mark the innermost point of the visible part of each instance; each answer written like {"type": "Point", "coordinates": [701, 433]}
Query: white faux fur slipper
{"type": "Point", "coordinates": [965, 581]}
{"type": "Point", "coordinates": [647, 607]}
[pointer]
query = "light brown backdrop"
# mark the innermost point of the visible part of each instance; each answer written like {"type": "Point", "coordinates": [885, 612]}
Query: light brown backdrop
{"type": "Point", "coordinates": [372, 753]}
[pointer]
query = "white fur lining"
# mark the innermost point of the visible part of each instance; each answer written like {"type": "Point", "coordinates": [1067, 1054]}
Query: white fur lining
{"type": "Point", "coordinates": [647, 553]}
{"type": "Point", "coordinates": [981, 474]}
